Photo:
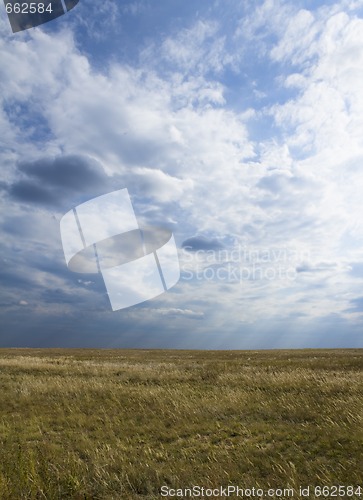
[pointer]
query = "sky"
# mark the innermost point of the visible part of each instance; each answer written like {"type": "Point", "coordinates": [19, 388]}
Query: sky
{"type": "Point", "coordinates": [236, 125]}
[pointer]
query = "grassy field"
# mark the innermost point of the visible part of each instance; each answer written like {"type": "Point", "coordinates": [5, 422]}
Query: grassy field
{"type": "Point", "coordinates": [120, 424]}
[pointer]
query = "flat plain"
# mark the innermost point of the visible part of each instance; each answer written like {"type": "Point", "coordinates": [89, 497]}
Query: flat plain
{"type": "Point", "coordinates": [120, 424]}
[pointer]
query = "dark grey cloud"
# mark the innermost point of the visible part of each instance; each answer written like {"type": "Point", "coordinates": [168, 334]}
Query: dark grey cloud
{"type": "Point", "coordinates": [70, 171]}
{"type": "Point", "coordinates": [28, 191]}
{"type": "Point", "coordinates": [55, 182]}
{"type": "Point", "coordinates": [201, 243]}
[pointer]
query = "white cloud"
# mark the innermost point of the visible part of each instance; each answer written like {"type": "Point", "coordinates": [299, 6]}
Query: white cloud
{"type": "Point", "coordinates": [172, 311]}
{"type": "Point", "coordinates": [300, 26]}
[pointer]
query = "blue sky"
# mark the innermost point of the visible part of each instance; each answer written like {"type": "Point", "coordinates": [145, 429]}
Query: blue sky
{"type": "Point", "coordinates": [237, 125]}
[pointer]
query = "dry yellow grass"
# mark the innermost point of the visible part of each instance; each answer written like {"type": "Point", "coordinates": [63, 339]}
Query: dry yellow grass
{"type": "Point", "coordinates": [119, 424]}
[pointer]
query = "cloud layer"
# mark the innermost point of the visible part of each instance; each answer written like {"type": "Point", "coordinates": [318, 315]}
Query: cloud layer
{"type": "Point", "coordinates": [239, 129]}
